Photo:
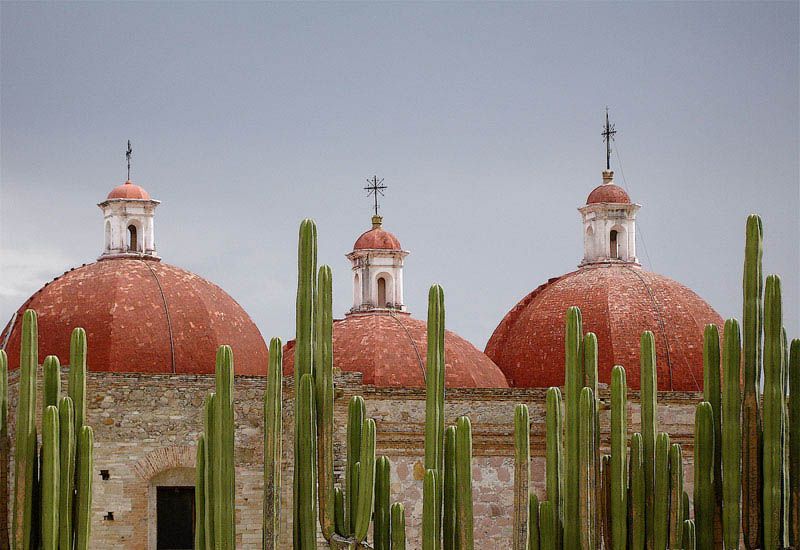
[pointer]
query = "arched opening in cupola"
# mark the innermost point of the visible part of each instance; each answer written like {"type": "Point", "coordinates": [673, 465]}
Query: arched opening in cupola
{"type": "Point", "coordinates": [133, 241]}
{"type": "Point", "coordinates": [614, 252]}
{"type": "Point", "coordinates": [382, 292]}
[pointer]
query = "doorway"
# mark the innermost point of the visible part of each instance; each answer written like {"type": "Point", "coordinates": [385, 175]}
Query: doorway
{"type": "Point", "coordinates": [175, 518]}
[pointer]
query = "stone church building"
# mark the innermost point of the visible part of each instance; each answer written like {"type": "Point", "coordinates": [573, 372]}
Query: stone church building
{"type": "Point", "coordinates": [153, 329]}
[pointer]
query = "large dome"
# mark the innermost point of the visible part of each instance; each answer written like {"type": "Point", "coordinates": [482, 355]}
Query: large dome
{"type": "Point", "coordinates": [389, 350]}
{"type": "Point", "coordinates": [141, 316]}
{"type": "Point", "coordinates": [618, 303]}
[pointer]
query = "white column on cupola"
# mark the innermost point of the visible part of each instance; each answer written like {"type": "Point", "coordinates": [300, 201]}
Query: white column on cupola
{"type": "Point", "coordinates": [609, 224]}
{"type": "Point", "coordinates": [377, 266]}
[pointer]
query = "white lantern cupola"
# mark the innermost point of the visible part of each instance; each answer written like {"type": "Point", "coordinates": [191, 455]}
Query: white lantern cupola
{"type": "Point", "coordinates": [377, 263]}
{"type": "Point", "coordinates": [609, 224]}
{"type": "Point", "coordinates": [128, 213]}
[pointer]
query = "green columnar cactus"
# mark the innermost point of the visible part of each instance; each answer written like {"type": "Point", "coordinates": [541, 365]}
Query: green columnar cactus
{"type": "Point", "coordinates": [712, 394]}
{"type": "Point", "coordinates": [604, 502]}
{"type": "Point", "coordinates": [199, 495]}
{"type": "Point", "coordinates": [662, 493]}
{"type": "Point", "coordinates": [429, 511]}
{"type": "Point", "coordinates": [685, 505]}
{"type": "Point", "coordinates": [76, 380]}
{"type": "Point", "coordinates": [366, 482]}
{"type": "Point", "coordinates": [51, 470]}
{"type": "Point", "coordinates": [4, 450]}
{"type": "Point", "coordinates": [305, 464]}
{"type": "Point", "coordinates": [273, 447]}
{"type": "Point", "coordinates": [464, 521]}
{"type": "Point", "coordinates": [676, 493]}
{"type": "Point", "coordinates": [704, 475]}
{"type": "Point", "coordinates": [449, 531]}
{"type": "Point", "coordinates": [619, 475]}
{"type": "Point", "coordinates": [323, 377]}
{"type": "Point", "coordinates": [547, 524]}
{"type": "Point", "coordinates": [794, 443]}
{"type": "Point", "coordinates": [636, 495]}
{"type": "Point", "coordinates": [522, 475]}
{"type": "Point", "coordinates": [752, 319]}
{"type": "Point", "coordinates": [785, 440]}
{"type": "Point", "coordinates": [649, 404]}
{"type": "Point", "coordinates": [398, 517]}
{"type": "Point", "coordinates": [52, 382]}
{"type": "Point", "coordinates": [591, 380]}
{"type": "Point", "coordinates": [83, 494]}
{"type": "Point", "coordinates": [25, 448]}
{"type": "Point", "coordinates": [533, 522]}
{"type": "Point", "coordinates": [225, 477]}
{"type": "Point", "coordinates": [554, 460]}
{"type": "Point", "coordinates": [381, 537]}
{"type": "Point", "coordinates": [210, 474]}
{"type": "Point", "coordinates": [338, 505]}
{"type": "Point", "coordinates": [355, 426]}
{"type": "Point", "coordinates": [573, 384]}
{"type": "Point", "coordinates": [773, 414]}
{"type": "Point", "coordinates": [689, 534]}
{"type": "Point", "coordinates": [587, 489]}
{"type": "Point", "coordinates": [731, 435]}
{"type": "Point", "coordinates": [67, 448]}
{"type": "Point", "coordinates": [434, 399]}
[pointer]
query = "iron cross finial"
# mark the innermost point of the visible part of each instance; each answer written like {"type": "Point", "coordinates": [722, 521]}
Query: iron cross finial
{"type": "Point", "coordinates": [608, 137]}
{"type": "Point", "coordinates": [375, 188]}
{"type": "Point", "coordinates": [128, 154]}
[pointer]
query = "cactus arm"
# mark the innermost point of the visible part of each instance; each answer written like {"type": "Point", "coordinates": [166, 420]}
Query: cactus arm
{"type": "Point", "coordinates": [573, 383]}
{"type": "Point", "coordinates": [619, 451]}
{"type": "Point", "coordinates": [649, 399]}
{"type": "Point", "coordinates": [604, 503]}
{"type": "Point", "coordinates": [67, 464]}
{"type": "Point", "coordinates": [554, 459]}
{"type": "Point", "coordinates": [522, 475]}
{"type": "Point", "coordinates": [464, 483]}
{"type": "Point", "coordinates": [355, 427]}
{"type": "Point", "coordinates": [83, 495]}
{"type": "Point", "coordinates": [225, 480]}
{"type": "Point", "coordinates": [429, 511]}
{"type": "Point", "coordinates": [398, 518]}
{"type": "Point", "coordinates": [338, 507]}
{"type": "Point", "coordinates": [712, 394]}
{"type": "Point", "coordinates": [381, 521]}
{"type": "Point", "coordinates": [731, 435]}
{"type": "Point", "coordinates": [52, 382]}
{"type": "Point", "coordinates": [636, 497]}
{"type": "Point", "coordinates": [366, 482]}
{"type": "Point", "coordinates": [794, 443]}
{"type": "Point", "coordinates": [662, 494]}
{"type": "Point", "coordinates": [199, 495]}
{"type": "Point", "coordinates": [704, 475]}
{"type": "Point", "coordinates": [591, 377]}
{"type": "Point", "coordinates": [547, 524]}
{"type": "Point", "coordinates": [50, 478]}
{"type": "Point", "coordinates": [323, 377]}
{"type": "Point", "coordinates": [449, 530]}
{"type": "Point", "coordinates": [587, 482]}
{"type": "Point", "coordinates": [305, 463]}
{"type": "Point", "coordinates": [689, 535]}
{"type": "Point", "coordinates": [210, 483]}
{"type": "Point", "coordinates": [676, 493]}
{"type": "Point", "coordinates": [533, 522]}
{"type": "Point", "coordinates": [273, 438]}
{"type": "Point", "coordinates": [77, 376]}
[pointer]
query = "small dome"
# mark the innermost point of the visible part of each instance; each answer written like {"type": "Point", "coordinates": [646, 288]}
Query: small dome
{"type": "Point", "coordinates": [608, 192]}
{"type": "Point", "coordinates": [377, 238]}
{"type": "Point", "coordinates": [129, 190]}
{"type": "Point", "coordinates": [389, 350]}
{"type": "Point", "coordinates": [618, 303]}
{"type": "Point", "coordinates": [141, 316]}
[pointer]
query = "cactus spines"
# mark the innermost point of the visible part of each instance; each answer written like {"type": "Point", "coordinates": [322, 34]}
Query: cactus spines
{"type": "Point", "coordinates": [547, 523]}
{"type": "Point", "coordinates": [649, 392]}
{"type": "Point", "coordinates": [662, 493]}
{"type": "Point", "coordinates": [449, 530]}
{"type": "Point", "coordinates": [464, 483]}
{"type": "Point", "coordinates": [67, 448]}
{"type": "Point", "coordinates": [429, 511]}
{"type": "Point", "coordinates": [305, 463]}
{"type": "Point", "coordinates": [366, 481]}
{"type": "Point", "coordinates": [712, 394]}
{"type": "Point", "coordinates": [273, 437]}
{"type": "Point", "coordinates": [676, 493]}
{"type": "Point", "coordinates": [533, 522]}
{"type": "Point", "coordinates": [398, 518]}
{"type": "Point", "coordinates": [554, 460]}
{"type": "Point", "coordinates": [619, 475]}
{"type": "Point", "coordinates": [587, 482]}
{"type": "Point", "coordinates": [752, 319]}
{"type": "Point", "coordinates": [731, 435]}
{"type": "Point", "coordinates": [773, 411]}
{"type": "Point", "coordinates": [83, 502]}
{"type": "Point", "coordinates": [25, 448]}
{"type": "Point", "coordinates": [199, 494]}
{"type": "Point", "coordinates": [794, 443]}
{"type": "Point", "coordinates": [636, 497]}
{"type": "Point", "coordinates": [355, 426]}
{"type": "Point", "coordinates": [4, 450]}
{"type": "Point", "coordinates": [704, 475]}
{"type": "Point", "coordinates": [522, 474]}
{"type": "Point", "coordinates": [323, 377]}
{"type": "Point", "coordinates": [573, 384]}
{"type": "Point", "coordinates": [381, 521]}
{"type": "Point", "coordinates": [224, 477]}
{"type": "Point", "coordinates": [50, 478]}
{"type": "Point", "coordinates": [51, 392]}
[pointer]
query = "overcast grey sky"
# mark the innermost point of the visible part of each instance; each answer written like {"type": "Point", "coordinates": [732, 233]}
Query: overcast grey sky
{"type": "Point", "coordinates": [484, 120]}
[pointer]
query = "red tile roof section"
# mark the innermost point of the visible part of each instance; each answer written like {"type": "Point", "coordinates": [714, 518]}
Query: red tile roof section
{"type": "Point", "coordinates": [128, 190]}
{"type": "Point", "coordinates": [608, 192]}
{"type": "Point", "coordinates": [141, 316]}
{"type": "Point", "coordinates": [390, 351]}
{"type": "Point", "coordinates": [378, 238]}
{"type": "Point", "coordinates": [618, 303]}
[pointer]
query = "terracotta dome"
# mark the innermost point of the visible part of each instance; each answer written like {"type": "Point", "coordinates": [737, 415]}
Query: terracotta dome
{"type": "Point", "coordinates": [377, 238]}
{"type": "Point", "coordinates": [618, 303]}
{"type": "Point", "coordinates": [128, 190]}
{"type": "Point", "coordinates": [390, 349]}
{"type": "Point", "coordinates": [141, 316]}
{"type": "Point", "coordinates": [608, 192]}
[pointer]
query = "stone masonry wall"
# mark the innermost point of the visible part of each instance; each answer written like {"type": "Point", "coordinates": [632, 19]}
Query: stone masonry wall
{"type": "Point", "coordinates": [146, 427]}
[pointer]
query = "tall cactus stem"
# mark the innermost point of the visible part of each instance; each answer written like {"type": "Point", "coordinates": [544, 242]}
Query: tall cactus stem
{"type": "Point", "coordinates": [83, 495]}
{"type": "Point", "coordinates": [51, 392]}
{"type": "Point", "coordinates": [355, 426]}
{"type": "Point", "coordinates": [587, 488]}
{"type": "Point", "coordinates": [547, 523]}
{"type": "Point", "coordinates": [398, 518]}
{"type": "Point", "coordinates": [731, 435]}
{"type": "Point", "coordinates": [619, 474]}
{"type": "Point", "coordinates": [662, 493]}
{"type": "Point", "coordinates": [554, 459]}
{"type": "Point", "coordinates": [676, 493]}
{"type": "Point", "coordinates": [604, 503]}
{"type": "Point", "coordinates": [464, 519]}
{"type": "Point", "coordinates": [199, 495]}
{"type": "Point", "coordinates": [773, 414]}
{"type": "Point", "coordinates": [66, 462]}
{"type": "Point", "coordinates": [429, 511]}
{"type": "Point", "coordinates": [381, 519]}
{"type": "Point", "coordinates": [224, 478]}
{"type": "Point", "coordinates": [273, 447]}
{"type": "Point", "coordinates": [522, 475]}
{"type": "Point", "coordinates": [323, 377]}
{"type": "Point", "coordinates": [533, 522]}
{"type": "Point", "coordinates": [210, 474]}
{"type": "Point", "coordinates": [366, 481]}
{"type": "Point", "coordinates": [704, 475]}
{"type": "Point", "coordinates": [573, 384]}
{"type": "Point", "coordinates": [649, 392]}
{"type": "Point", "coordinates": [76, 381]}
{"type": "Point", "coordinates": [305, 464]}
{"type": "Point", "coordinates": [794, 443]}
{"type": "Point", "coordinates": [636, 495]}
{"type": "Point", "coordinates": [50, 477]}
{"type": "Point", "coordinates": [449, 530]}
{"type": "Point", "coordinates": [712, 394]}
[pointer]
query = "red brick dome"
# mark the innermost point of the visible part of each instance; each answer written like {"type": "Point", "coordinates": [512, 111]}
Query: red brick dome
{"type": "Point", "coordinates": [608, 192]}
{"type": "Point", "coordinates": [390, 349]}
{"type": "Point", "coordinates": [618, 303]}
{"type": "Point", "coordinates": [128, 190]}
{"type": "Point", "coordinates": [141, 316]}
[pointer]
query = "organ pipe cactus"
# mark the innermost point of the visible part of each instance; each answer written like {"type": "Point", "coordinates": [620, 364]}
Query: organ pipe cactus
{"type": "Point", "coordinates": [434, 401]}
{"type": "Point", "coordinates": [366, 481]}
{"type": "Point", "coordinates": [752, 319]}
{"type": "Point", "coordinates": [381, 521]}
{"type": "Point", "coordinates": [464, 521]}
{"type": "Point", "coordinates": [794, 443]}
{"type": "Point", "coordinates": [533, 522]}
{"type": "Point", "coordinates": [704, 501]}
{"type": "Point", "coordinates": [355, 427]}
{"type": "Point", "coordinates": [305, 463]}
{"type": "Point", "coordinates": [662, 493]}
{"type": "Point", "coordinates": [522, 474]}
{"type": "Point", "coordinates": [586, 479]}
{"type": "Point", "coordinates": [547, 523]}
{"type": "Point", "coordinates": [223, 461]}
{"type": "Point", "coordinates": [449, 529]}
{"type": "Point", "coordinates": [554, 460]}
{"type": "Point", "coordinates": [712, 394]}
{"type": "Point", "coordinates": [83, 501]}
{"type": "Point", "coordinates": [52, 382]}
{"type": "Point", "coordinates": [199, 495]}
{"type": "Point", "coordinates": [731, 435]}
{"type": "Point", "coordinates": [649, 406]}
{"type": "Point", "coordinates": [51, 471]}
{"type": "Point", "coordinates": [619, 475]}
{"type": "Point", "coordinates": [323, 377]}
{"type": "Point", "coordinates": [573, 384]}
{"type": "Point", "coordinates": [429, 511]}
{"type": "Point", "coordinates": [636, 496]}
{"type": "Point", "coordinates": [273, 438]}
{"type": "Point", "coordinates": [67, 450]}
{"type": "Point", "coordinates": [4, 450]}
{"type": "Point", "coordinates": [604, 502]}
{"type": "Point", "coordinates": [676, 512]}
{"type": "Point", "coordinates": [398, 518]}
